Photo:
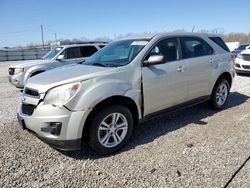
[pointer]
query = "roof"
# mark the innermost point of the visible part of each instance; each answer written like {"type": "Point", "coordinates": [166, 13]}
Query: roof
{"type": "Point", "coordinates": [83, 44]}
{"type": "Point", "coordinates": [150, 36]}
{"type": "Point", "coordinates": [188, 34]}
{"type": "Point", "coordinates": [137, 36]}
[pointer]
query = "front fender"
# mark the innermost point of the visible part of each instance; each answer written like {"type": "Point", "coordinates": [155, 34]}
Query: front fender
{"type": "Point", "coordinates": [93, 93]}
{"type": "Point", "coordinates": [32, 70]}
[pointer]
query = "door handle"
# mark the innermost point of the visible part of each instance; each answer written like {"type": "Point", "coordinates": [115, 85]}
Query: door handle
{"type": "Point", "coordinates": [212, 61]}
{"type": "Point", "coordinates": [180, 69]}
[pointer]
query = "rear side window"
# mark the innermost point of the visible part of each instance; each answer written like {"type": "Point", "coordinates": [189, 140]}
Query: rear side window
{"type": "Point", "coordinates": [87, 51]}
{"type": "Point", "coordinates": [71, 53]}
{"type": "Point", "coordinates": [220, 42]}
{"type": "Point", "coordinates": [194, 47]}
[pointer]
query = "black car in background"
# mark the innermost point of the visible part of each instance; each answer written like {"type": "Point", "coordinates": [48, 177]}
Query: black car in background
{"type": "Point", "coordinates": [242, 47]}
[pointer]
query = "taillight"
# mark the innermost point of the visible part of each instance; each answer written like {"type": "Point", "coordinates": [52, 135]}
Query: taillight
{"type": "Point", "coordinates": [233, 57]}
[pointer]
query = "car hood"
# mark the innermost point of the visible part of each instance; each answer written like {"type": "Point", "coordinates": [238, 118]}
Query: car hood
{"type": "Point", "coordinates": [247, 51]}
{"type": "Point", "coordinates": [52, 78]}
{"type": "Point", "coordinates": [29, 63]}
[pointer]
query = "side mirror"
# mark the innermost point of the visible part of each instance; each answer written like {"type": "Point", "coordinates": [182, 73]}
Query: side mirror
{"type": "Point", "coordinates": [154, 60]}
{"type": "Point", "coordinates": [60, 58]}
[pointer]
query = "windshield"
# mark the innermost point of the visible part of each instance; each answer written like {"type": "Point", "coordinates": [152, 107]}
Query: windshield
{"type": "Point", "coordinates": [243, 47]}
{"type": "Point", "coordinates": [117, 53]}
{"type": "Point", "coordinates": [52, 53]}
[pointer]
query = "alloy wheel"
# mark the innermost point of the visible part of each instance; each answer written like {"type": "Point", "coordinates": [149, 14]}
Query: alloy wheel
{"type": "Point", "coordinates": [221, 94]}
{"type": "Point", "coordinates": [112, 130]}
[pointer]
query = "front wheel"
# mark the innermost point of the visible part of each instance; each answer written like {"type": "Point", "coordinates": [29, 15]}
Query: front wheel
{"type": "Point", "coordinates": [111, 129]}
{"type": "Point", "coordinates": [220, 94]}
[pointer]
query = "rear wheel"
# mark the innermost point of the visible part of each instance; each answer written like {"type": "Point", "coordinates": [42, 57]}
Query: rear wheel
{"type": "Point", "coordinates": [110, 129]}
{"type": "Point", "coordinates": [220, 94]}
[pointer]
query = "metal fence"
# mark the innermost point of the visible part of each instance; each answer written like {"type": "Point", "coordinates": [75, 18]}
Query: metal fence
{"type": "Point", "coordinates": [21, 54]}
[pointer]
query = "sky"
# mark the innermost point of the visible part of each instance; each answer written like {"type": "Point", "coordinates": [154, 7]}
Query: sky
{"type": "Point", "coordinates": [20, 20]}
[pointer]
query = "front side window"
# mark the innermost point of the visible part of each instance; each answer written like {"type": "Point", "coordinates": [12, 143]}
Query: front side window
{"type": "Point", "coordinates": [169, 48]}
{"type": "Point", "coordinates": [71, 53]}
{"type": "Point", "coordinates": [195, 47]}
{"type": "Point", "coordinates": [117, 53]}
{"type": "Point", "coordinates": [52, 53]}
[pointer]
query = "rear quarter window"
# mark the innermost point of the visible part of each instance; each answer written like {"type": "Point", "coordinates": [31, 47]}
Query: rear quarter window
{"type": "Point", "coordinates": [220, 43]}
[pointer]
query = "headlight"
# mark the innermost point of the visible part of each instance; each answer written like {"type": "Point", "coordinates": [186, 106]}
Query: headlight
{"type": "Point", "coordinates": [18, 70]}
{"type": "Point", "coordinates": [239, 56]}
{"type": "Point", "coordinates": [59, 96]}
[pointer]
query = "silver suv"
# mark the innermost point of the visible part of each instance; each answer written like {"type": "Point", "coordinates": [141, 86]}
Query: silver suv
{"type": "Point", "coordinates": [99, 102]}
{"type": "Point", "coordinates": [57, 57]}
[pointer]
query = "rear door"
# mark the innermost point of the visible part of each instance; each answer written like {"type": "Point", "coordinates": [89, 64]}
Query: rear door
{"type": "Point", "coordinates": [78, 54]}
{"type": "Point", "coordinates": [87, 51]}
{"type": "Point", "coordinates": [200, 64]}
{"type": "Point", "coordinates": [164, 85]}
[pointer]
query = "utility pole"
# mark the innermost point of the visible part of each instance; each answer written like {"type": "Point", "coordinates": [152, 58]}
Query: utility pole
{"type": "Point", "coordinates": [42, 36]}
{"type": "Point", "coordinates": [55, 37]}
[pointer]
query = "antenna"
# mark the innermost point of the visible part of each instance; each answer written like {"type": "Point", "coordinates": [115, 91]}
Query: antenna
{"type": "Point", "coordinates": [193, 28]}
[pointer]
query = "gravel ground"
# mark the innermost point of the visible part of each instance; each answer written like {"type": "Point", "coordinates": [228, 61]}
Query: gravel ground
{"type": "Point", "coordinates": [196, 147]}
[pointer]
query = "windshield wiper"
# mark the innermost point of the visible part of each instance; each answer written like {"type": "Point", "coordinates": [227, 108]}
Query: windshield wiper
{"type": "Point", "coordinates": [81, 62]}
{"type": "Point", "coordinates": [99, 64]}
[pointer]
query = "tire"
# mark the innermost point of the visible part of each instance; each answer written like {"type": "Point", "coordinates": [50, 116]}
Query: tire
{"type": "Point", "coordinates": [220, 94]}
{"type": "Point", "coordinates": [110, 129]}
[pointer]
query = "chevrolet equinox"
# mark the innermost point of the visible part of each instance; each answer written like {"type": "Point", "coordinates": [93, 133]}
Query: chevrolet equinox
{"type": "Point", "coordinates": [100, 101]}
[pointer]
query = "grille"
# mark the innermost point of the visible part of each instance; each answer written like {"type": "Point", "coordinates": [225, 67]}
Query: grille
{"type": "Point", "coordinates": [246, 57]}
{"type": "Point", "coordinates": [11, 71]}
{"type": "Point", "coordinates": [246, 66]}
{"type": "Point", "coordinates": [31, 92]}
{"type": "Point", "coordinates": [28, 109]}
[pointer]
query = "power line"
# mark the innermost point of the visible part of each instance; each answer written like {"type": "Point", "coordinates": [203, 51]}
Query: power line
{"type": "Point", "coordinates": [36, 29]}
{"type": "Point", "coordinates": [18, 32]}
{"type": "Point", "coordinates": [54, 31]}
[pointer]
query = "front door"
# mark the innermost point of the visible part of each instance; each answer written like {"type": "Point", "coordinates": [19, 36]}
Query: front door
{"type": "Point", "coordinates": [164, 85]}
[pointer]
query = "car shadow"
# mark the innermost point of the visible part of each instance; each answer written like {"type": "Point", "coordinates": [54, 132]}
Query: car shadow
{"type": "Point", "coordinates": [150, 130]}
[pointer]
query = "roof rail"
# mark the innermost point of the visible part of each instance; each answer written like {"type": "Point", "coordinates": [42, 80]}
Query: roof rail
{"type": "Point", "coordinates": [90, 42]}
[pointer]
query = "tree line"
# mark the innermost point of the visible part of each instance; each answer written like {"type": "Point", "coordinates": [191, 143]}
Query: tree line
{"type": "Point", "coordinates": [228, 37]}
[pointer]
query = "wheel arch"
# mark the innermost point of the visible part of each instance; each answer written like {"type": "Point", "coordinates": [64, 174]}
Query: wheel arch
{"type": "Point", "coordinates": [122, 100]}
{"type": "Point", "coordinates": [227, 76]}
{"type": "Point", "coordinates": [36, 72]}
{"type": "Point", "coordinates": [32, 70]}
